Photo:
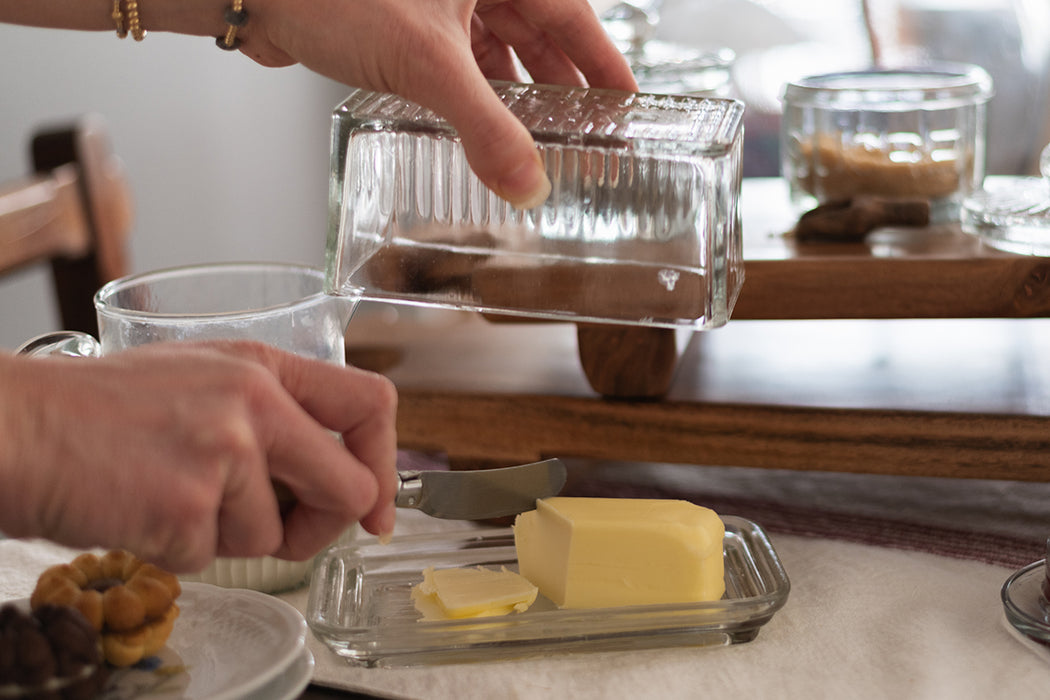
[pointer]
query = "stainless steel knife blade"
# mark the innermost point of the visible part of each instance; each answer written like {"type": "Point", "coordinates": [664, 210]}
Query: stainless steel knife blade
{"type": "Point", "coordinates": [482, 493]}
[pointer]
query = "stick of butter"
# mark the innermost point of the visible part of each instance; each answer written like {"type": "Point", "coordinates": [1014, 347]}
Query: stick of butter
{"type": "Point", "coordinates": [606, 552]}
{"type": "Point", "coordinates": [450, 594]}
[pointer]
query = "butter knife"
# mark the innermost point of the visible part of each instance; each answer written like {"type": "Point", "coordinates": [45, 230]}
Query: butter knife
{"type": "Point", "coordinates": [481, 493]}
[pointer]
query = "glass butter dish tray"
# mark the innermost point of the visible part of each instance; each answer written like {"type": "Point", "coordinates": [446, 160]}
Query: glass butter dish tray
{"type": "Point", "coordinates": [360, 604]}
{"type": "Point", "coordinates": [642, 226]}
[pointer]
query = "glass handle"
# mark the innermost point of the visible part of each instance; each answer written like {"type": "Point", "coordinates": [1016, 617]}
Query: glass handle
{"type": "Point", "coordinates": [61, 344]}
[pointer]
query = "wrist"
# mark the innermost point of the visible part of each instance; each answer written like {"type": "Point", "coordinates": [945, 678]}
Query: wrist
{"type": "Point", "coordinates": [192, 17]}
{"type": "Point", "coordinates": [209, 18]}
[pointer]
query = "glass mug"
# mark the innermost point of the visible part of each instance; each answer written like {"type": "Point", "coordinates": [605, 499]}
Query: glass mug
{"type": "Point", "coordinates": [283, 305]}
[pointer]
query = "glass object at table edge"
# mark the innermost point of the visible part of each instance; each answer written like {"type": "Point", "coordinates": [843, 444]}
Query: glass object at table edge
{"type": "Point", "coordinates": [1020, 595]}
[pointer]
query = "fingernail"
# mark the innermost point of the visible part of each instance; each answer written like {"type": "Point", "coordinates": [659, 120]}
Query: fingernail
{"type": "Point", "coordinates": [526, 186]}
{"type": "Point", "coordinates": [386, 525]}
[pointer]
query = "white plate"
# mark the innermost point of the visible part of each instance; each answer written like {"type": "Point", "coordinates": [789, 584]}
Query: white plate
{"type": "Point", "coordinates": [226, 645]}
{"type": "Point", "coordinates": [290, 684]}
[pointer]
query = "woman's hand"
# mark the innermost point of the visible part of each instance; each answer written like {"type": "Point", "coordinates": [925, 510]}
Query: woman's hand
{"type": "Point", "coordinates": [440, 53]}
{"type": "Point", "coordinates": [172, 451]}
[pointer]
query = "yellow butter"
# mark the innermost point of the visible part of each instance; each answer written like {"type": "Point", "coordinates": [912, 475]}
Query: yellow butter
{"type": "Point", "coordinates": [606, 552]}
{"type": "Point", "coordinates": [448, 594]}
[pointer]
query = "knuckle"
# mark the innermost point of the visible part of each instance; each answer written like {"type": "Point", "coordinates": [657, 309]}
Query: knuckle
{"type": "Point", "coordinates": [183, 537]}
{"type": "Point", "coordinates": [184, 513]}
{"type": "Point", "coordinates": [228, 442]}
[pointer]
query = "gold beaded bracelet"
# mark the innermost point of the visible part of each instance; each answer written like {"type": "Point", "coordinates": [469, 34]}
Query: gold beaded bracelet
{"type": "Point", "coordinates": [134, 26]}
{"type": "Point", "coordinates": [236, 17]}
{"type": "Point", "coordinates": [118, 19]}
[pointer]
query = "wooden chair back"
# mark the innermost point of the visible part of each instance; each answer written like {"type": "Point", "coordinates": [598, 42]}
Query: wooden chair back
{"type": "Point", "coordinates": [74, 211]}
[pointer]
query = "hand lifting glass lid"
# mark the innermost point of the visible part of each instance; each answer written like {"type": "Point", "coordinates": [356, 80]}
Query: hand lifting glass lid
{"type": "Point", "coordinates": [642, 226]}
{"type": "Point", "coordinates": [1013, 213]}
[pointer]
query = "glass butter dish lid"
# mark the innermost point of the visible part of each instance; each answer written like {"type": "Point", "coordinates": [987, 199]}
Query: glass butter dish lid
{"type": "Point", "coordinates": [360, 604]}
{"type": "Point", "coordinates": [642, 226]}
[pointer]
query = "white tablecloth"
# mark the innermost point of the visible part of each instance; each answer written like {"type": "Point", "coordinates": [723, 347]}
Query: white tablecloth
{"type": "Point", "coordinates": [861, 621]}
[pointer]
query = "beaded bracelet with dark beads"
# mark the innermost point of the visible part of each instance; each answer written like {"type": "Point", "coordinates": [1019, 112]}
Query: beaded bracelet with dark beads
{"type": "Point", "coordinates": [236, 17]}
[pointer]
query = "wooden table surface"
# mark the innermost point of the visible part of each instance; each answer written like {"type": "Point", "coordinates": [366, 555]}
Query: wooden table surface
{"type": "Point", "coordinates": [900, 381]}
{"type": "Point", "coordinates": [933, 272]}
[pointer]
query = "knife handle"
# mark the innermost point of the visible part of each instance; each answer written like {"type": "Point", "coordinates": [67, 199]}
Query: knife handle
{"type": "Point", "coordinates": [409, 489]}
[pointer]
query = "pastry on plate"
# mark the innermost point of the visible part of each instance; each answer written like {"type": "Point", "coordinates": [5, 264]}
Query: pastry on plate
{"type": "Point", "coordinates": [130, 602]}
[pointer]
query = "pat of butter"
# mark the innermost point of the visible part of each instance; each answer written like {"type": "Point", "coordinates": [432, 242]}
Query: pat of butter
{"type": "Point", "coordinates": [606, 552]}
{"type": "Point", "coordinates": [449, 594]}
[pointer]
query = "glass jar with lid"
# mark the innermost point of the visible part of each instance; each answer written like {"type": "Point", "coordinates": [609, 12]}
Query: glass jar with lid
{"type": "Point", "coordinates": [890, 132]}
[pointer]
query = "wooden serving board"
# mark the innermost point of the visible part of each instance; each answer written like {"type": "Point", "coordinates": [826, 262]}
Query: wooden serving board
{"type": "Point", "coordinates": [931, 272]}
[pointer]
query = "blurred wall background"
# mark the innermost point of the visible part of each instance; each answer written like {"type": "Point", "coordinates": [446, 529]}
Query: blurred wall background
{"type": "Point", "coordinates": [227, 160]}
